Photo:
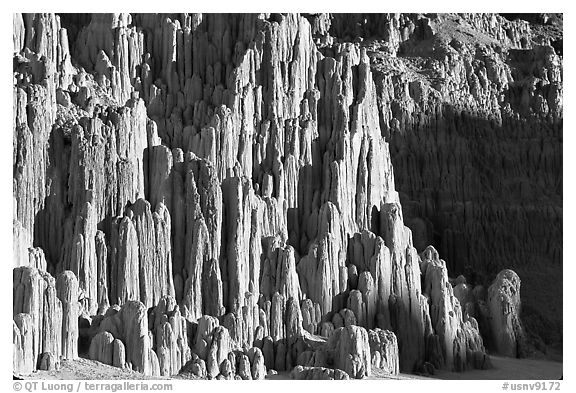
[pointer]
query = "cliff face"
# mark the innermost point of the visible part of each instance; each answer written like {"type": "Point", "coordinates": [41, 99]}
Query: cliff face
{"type": "Point", "coordinates": [220, 196]}
{"type": "Point", "coordinates": [471, 105]}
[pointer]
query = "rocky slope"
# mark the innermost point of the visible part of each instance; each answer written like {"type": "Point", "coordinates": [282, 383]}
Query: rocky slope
{"type": "Point", "coordinates": [214, 196]}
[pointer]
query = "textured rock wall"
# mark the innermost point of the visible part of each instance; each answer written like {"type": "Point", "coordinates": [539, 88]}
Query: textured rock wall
{"type": "Point", "coordinates": [45, 314]}
{"type": "Point", "coordinates": [471, 105]}
{"type": "Point", "coordinates": [217, 199]}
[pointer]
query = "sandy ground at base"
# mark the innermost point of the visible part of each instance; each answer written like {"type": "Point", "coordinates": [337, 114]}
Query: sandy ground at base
{"type": "Point", "coordinates": [504, 369]}
{"type": "Point", "coordinates": [510, 368]}
{"type": "Point", "coordinates": [87, 369]}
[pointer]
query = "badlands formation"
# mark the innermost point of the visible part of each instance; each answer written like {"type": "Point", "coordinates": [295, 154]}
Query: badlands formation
{"type": "Point", "coordinates": [237, 196]}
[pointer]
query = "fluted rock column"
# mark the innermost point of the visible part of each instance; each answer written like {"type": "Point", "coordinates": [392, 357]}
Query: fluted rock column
{"type": "Point", "coordinates": [322, 272]}
{"type": "Point", "coordinates": [350, 350]}
{"type": "Point", "coordinates": [101, 348]}
{"type": "Point", "coordinates": [67, 289]}
{"type": "Point", "coordinates": [237, 197]}
{"type": "Point", "coordinates": [79, 255]}
{"type": "Point", "coordinates": [102, 272]}
{"type": "Point", "coordinates": [384, 351]}
{"type": "Point", "coordinates": [34, 294]}
{"type": "Point", "coordinates": [171, 337]}
{"type": "Point", "coordinates": [23, 341]}
{"type": "Point", "coordinates": [458, 333]}
{"type": "Point", "coordinates": [279, 271]}
{"type": "Point", "coordinates": [130, 325]}
{"type": "Point", "coordinates": [125, 271]}
{"type": "Point", "coordinates": [504, 304]}
{"type": "Point", "coordinates": [405, 308]}
{"type": "Point", "coordinates": [109, 37]}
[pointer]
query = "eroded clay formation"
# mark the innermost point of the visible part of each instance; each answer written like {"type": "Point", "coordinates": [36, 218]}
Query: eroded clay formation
{"type": "Point", "coordinates": [213, 196]}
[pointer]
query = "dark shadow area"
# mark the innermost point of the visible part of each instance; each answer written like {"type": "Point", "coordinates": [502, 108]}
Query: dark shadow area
{"type": "Point", "coordinates": [491, 196]}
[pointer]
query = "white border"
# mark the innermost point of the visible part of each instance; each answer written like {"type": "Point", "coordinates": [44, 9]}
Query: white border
{"type": "Point", "coordinates": [9, 7]}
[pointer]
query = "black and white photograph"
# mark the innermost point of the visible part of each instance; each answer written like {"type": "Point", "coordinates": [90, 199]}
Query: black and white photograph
{"type": "Point", "coordinates": [285, 196]}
